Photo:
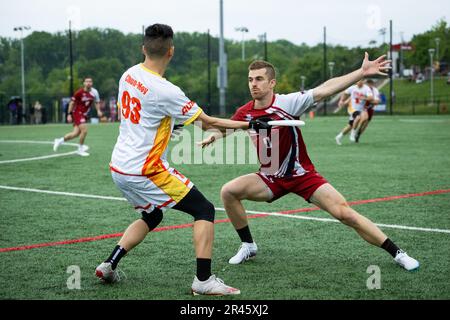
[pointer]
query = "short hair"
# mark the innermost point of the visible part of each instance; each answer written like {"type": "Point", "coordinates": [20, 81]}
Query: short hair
{"type": "Point", "coordinates": [370, 81]}
{"type": "Point", "coordinates": [87, 77]}
{"type": "Point", "coordinates": [260, 64]}
{"type": "Point", "coordinates": [158, 40]}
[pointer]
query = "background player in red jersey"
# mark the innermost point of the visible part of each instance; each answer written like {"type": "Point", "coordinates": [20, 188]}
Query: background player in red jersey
{"type": "Point", "coordinates": [78, 110]}
{"type": "Point", "coordinates": [290, 170]}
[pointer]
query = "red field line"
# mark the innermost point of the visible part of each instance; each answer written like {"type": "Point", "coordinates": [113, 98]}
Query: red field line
{"type": "Point", "coordinates": [189, 225]}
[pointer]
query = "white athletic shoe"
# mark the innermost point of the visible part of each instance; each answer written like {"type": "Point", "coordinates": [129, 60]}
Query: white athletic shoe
{"type": "Point", "coordinates": [245, 252]}
{"type": "Point", "coordinates": [105, 272]}
{"type": "Point", "coordinates": [339, 140]}
{"type": "Point", "coordinates": [352, 137]}
{"type": "Point", "coordinates": [82, 152]}
{"type": "Point", "coordinates": [212, 287]}
{"type": "Point", "coordinates": [57, 142]}
{"type": "Point", "coordinates": [406, 261]}
{"type": "Point", "coordinates": [83, 147]}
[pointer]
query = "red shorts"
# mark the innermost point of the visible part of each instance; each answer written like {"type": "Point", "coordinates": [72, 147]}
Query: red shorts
{"type": "Point", "coordinates": [78, 118]}
{"type": "Point", "coordinates": [304, 186]}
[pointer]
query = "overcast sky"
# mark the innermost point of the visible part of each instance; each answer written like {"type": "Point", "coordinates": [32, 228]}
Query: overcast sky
{"type": "Point", "coordinates": [349, 22]}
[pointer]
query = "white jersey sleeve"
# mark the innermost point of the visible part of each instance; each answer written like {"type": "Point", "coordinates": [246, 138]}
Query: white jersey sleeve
{"type": "Point", "coordinates": [95, 94]}
{"type": "Point", "coordinates": [175, 104]}
{"type": "Point", "coordinates": [296, 103]}
{"type": "Point", "coordinates": [349, 90]}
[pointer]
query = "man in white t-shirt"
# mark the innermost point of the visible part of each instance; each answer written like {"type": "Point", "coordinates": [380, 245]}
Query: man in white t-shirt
{"type": "Point", "coordinates": [368, 112]}
{"type": "Point", "coordinates": [149, 107]}
{"type": "Point", "coordinates": [355, 98]}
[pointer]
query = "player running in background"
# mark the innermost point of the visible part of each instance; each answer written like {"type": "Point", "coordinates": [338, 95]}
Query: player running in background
{"type": "Point", "coordinates": [290, 170]}
{"type": "Point", "coordinates": [368, 111]}
{"type": "Point", "coordinates": [359, 95]}
{"type": "Point", "coordinates": [149, 106]}
{"type": "Point", "coordinates": [78, 111]}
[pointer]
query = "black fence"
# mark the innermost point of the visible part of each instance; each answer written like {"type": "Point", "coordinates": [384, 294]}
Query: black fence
{"type": "Point", "coordinates": [54, 109]}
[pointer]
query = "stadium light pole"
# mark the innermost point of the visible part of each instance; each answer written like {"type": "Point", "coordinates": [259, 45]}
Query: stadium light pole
{"type": "Point", "coordinates": [331, 66]}
{"type": "Point", "coordinates": [303, 83]}
{"type": "Point", "coordinates": [222, 69]}
{"type": "Point", "coordinates": [431, 52]}
{"type": "Point", "coordinates": [70, 60]}
{"type": "Point", "coordinates": [263, 38]}
{"type": "Point", "coordinates": [391, 71]}
{"type": "Point", "coordinates": [438, 41]}
{"type": "Point", "coordinates": [24, 105]}
{"type": "Point", "coordinates": [243, 30]}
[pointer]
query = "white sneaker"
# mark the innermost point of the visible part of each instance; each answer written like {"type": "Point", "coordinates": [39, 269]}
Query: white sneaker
{"type": "Point", "coordinates": [245, 252]}
{"type": "Point", "coordinates": [82, 153]}
{"type": "Point", "coordinates": [106, 273]}
{"type": "Point", "coordinates": [212, 287]}
{"type": "Point", "coordinates": [406, 261]}
{"type": "Point", "coordinates": [57, 142]}
{"type": "Point", "coordinates": [339, 140]}
{"type": "Point", "coordinates": [83, 147]}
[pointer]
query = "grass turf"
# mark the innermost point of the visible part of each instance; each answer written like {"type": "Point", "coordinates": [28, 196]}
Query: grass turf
{"type": "Point", "coordinates": [298, 259]}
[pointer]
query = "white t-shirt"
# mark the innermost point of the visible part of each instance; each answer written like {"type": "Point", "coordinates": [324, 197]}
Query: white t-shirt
{"type": "Point", "coordinates": [358, 97]}
{"type": "Point", "coordinates": [149, 106]}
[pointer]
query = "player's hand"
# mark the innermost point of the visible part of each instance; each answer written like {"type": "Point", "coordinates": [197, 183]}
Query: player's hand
{"type": "Point", "coordinates": [177, 129]}
{"type": "Point", "coordinates": [207, 141]}
{"type": "Point", "coordinates": [378, 67]}
{"type": "Point", "coordinates": [99, 114]}
{"type": "Point", "coordinates": [260, 123]}
{"type": "Point", "coordinates": [69, 118]}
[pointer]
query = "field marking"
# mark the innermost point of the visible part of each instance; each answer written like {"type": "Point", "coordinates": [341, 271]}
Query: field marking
{"type": "Point", "coordinates": [41, 157]}
{"type": "Point", "coordinates": [253, 215]}
{"type": "Point", "coordinates": [424, 120]}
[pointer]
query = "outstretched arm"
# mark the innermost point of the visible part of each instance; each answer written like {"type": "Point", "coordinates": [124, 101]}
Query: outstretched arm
{"type": "Point", "coordinates": [369, 68]}
{"type": "Point", "coordinates": [208, 123]}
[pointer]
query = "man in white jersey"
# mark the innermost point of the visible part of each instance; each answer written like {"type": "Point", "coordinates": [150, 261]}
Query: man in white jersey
{"type": "Point", "coordinates": [149, 106]}
{"type": "Point", "coordinates": [359, 95]}
{"type": "Point", "coordinates": [368, 111]}
{"type": "Point", "coordinates": [290, 170]}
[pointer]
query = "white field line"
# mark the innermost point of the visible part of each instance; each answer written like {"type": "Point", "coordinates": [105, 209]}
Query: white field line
{"type": "Point", "coordinates": [274, 214]}
{"type": "Point", "coordinates": [37, 158]}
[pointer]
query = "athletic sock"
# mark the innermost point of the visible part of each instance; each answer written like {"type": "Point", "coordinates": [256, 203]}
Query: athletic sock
{"type": "Point", "coordinates": [340, 135]}
{"type": "Point", "coordinates": [390, 247]}
{"type": "Point", "coordinates": [245, 235]}
{"type": "Point", "coordinates": [116, 255]}
{"type": "Point", "coordinates": [203, 269]}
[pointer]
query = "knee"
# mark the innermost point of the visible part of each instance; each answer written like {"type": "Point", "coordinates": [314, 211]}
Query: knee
{"type": "Point", "coordinates": [206, 211]}
{"type": "Point", "coordinates": [347, 215]}
{"type": "Point", "coordinates": [152, 219]}
{"type": "Point", "coordinates": [228, 192]}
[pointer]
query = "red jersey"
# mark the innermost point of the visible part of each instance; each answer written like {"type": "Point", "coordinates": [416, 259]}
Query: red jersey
{"type": "Point", "coordinates": [282, 152]}
{"type": "Point", "coordinates": [83, 101]}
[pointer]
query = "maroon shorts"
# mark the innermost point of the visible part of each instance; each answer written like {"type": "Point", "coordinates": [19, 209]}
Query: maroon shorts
{"type": "Point", "coordinates": [78, 118]}
{"type": "Point", "coordinates": [304, 186]}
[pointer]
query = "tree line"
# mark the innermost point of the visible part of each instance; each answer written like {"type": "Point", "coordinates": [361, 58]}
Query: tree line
{"type": "Point", "coordinates": [105, 54]}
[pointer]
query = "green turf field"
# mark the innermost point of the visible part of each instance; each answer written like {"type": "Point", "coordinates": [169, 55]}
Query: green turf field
{"type": "Point", "coordinates": [298, 259]}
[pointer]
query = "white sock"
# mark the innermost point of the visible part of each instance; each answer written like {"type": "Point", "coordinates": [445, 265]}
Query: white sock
{"type": "Point", "coordinates": [340, 135]}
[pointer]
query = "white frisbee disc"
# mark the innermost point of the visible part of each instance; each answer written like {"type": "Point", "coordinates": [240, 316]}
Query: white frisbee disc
{"type": "Point", "coordinates": [287, 123]}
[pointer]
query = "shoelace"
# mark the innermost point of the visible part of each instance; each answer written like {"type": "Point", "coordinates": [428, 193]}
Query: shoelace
{"type": "Point", "coordinates": [120, 274]}
{"type": "Point", "coordinates": [246, 250]}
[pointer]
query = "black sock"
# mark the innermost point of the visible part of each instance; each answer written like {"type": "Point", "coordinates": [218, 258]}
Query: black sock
{"type": "Point", "coordinates": [245, 235]}
{"type": "Point", "coordinates": [116, 255]}
{"type": "Point", "coordinates": [390, 247]}
{"type": "Point", "coordinates": [203, 269]}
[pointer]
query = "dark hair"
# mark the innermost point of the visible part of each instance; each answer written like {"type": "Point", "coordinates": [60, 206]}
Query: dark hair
{"type": "Point", "coordinates": [157, 40]}
{"type": "Point", "coordinates": [370, 81]}
{"type": "Point", "coordinates": [260, 64]}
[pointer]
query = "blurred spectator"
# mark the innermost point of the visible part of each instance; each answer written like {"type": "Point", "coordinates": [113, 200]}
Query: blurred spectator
{"type": "Point", "coordinates": [420, 78]}
{"type": "Point", "coordinates": [37, 111]}
{"type": "Point", "coordinates": [15, 108]}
